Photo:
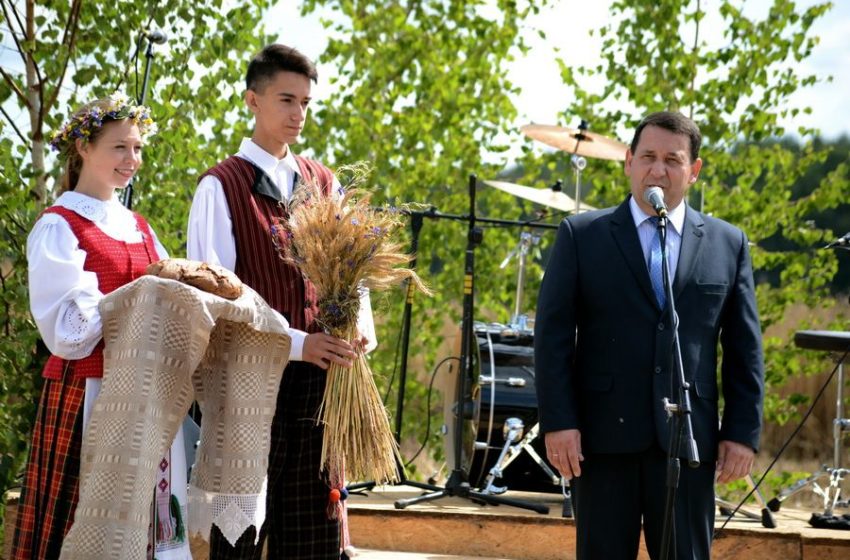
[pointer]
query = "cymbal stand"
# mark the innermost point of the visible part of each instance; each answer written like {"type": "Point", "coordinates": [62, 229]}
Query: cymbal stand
{"type": "Point", "coordinates": [458, 483]}
{"type": "Point", "coordinates": [831, 493]}
{"type": "Point", "coordinates": [526, 240]}
{"type": "Point", "coordinates": [578, 163]}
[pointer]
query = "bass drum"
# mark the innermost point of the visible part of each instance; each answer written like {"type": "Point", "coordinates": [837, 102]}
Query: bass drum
{"type": "Point", "coordinates": [507, 356]}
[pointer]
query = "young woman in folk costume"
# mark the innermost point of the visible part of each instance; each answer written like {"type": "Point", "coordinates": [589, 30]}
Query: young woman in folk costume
{"type": "Point", "coordinates": [84, 246]}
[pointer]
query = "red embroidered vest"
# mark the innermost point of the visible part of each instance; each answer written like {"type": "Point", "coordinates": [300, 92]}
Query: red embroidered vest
{"type": "Point", "coordinates": [253, 206]}
{"type": "Point", "coordinates": [115, 263]}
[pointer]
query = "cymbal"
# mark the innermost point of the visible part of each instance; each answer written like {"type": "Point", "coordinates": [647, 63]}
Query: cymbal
{"type": "Point", "coordinates": [576, 141]}
{"type": "Point", "coordinates": [546, 197]}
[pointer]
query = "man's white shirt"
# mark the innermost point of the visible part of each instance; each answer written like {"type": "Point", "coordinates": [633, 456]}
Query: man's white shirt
{"type": "Point", "coordinates": [646, 231]}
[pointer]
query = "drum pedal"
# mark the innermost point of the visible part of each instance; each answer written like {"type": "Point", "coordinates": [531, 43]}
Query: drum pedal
{"type": "Point", "coordinates": [512, 431]}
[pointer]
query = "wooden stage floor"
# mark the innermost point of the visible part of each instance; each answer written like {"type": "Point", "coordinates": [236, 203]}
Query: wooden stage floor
{"type": "Point", "coordinates": [456, 529]}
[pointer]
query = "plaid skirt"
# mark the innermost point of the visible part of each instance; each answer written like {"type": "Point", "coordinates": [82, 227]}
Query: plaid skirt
{"type": "Point", "coordinates": [51, 484]}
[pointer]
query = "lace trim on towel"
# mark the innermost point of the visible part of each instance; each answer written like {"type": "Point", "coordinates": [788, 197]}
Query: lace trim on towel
{"type": "Point", "coordinates": [233, 514]}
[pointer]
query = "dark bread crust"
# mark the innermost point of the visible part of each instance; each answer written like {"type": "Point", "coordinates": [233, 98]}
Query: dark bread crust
{"type": "Point", "coordinates": [210, 278]}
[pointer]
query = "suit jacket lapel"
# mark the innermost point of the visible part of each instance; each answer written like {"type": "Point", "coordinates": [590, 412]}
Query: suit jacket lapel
{"type": "Point", "coordinates": [625, 234]}
{"type": "Point", "coordinates": [692, 233]}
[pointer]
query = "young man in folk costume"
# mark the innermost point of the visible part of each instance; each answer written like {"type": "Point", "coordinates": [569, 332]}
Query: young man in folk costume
{"type": "Point", "coordinates": [230, 224]}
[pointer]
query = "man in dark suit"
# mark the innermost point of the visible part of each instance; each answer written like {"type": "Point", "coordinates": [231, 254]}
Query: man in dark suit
{"type": "Point", "coordinates": [603, 348]}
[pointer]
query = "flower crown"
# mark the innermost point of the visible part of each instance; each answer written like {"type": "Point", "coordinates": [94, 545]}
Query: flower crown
{"type": "Point", "coordinates": [118, 107]}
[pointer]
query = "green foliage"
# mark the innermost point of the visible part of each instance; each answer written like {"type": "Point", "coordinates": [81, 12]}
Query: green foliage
{"type": "Point", "coordinates": [20, 384]}
{"type": "Point", "coordinates": [422, 95]}
{"type": "Point", "coordinates": [654, 58]}
{"type": "Point", "coordinates": [195, 93]}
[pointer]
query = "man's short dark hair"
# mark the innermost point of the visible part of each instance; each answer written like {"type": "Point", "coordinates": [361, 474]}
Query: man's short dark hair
{"type": "Point", "coordinates": [675, 122]}
{"type": "Point", "coordinates": [277, 58]}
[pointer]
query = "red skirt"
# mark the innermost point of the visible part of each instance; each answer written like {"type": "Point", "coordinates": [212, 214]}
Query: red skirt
{"type": "Point", "coordinates": [51, 484]}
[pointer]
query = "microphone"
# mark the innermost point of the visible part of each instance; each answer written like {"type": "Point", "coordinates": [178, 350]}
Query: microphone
{"type": "Point", "coordinates": [842, 241]}
{"type": "Point", "coordinates": [155, 36]}
{"type": "Point", "coordinates": [654, 196]}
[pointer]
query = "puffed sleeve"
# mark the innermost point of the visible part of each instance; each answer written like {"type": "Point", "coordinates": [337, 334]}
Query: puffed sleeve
{"type": "Point", "coordinates": [209, 236]}
{"type": "Point", "coordinates": [63, 296]}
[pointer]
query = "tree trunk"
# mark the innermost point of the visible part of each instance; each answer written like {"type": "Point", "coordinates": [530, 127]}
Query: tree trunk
{"type": "Point", "coordinates": [33, 92]}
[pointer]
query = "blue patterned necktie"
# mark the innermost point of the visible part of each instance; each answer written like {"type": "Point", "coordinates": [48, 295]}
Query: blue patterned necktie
{"type": "Point", "coordinates": [655, 271]}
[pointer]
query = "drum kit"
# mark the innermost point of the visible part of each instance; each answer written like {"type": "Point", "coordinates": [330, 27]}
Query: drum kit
{"type": "Point", "coordinates": [500, 427]}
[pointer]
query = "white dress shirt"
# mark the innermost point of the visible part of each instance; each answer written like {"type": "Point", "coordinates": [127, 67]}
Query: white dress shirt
{"type": "Point", "coordinates": [63, 296]}
{"type": "Point", "coordinates": [210, 231]}
{"type": "Point", "coordinates": [646, 231]}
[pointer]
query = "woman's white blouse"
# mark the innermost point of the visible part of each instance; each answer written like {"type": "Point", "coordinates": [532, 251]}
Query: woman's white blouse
{"type": "Point", "coordinates": [63, 296]}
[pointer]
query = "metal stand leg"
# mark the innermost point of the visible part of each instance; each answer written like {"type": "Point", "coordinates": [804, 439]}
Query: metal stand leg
{"type": "Point", "coordinates": [458, 483]}
{"type": "Point", "coordinates": [765, 516]}
{"type": "Point", "coordinates": [831, 492]}
{"type": "Point", "coordinates": [510, 451]}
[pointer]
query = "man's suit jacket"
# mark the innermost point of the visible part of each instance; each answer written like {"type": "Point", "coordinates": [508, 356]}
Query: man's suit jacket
{"type": "Point", "coordinates": [603, 348]}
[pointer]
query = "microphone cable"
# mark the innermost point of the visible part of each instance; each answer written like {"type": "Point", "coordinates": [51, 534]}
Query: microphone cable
{"type": "Point", "coordinates": [395, 357]}
{"type": "Point", "coordinates": [786, 444]}
{"type": "Point", "coordinates": [428, 407]}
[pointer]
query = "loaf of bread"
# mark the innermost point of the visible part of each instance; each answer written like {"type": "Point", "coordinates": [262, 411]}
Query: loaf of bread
{"type": "Point", "coordinates": [207, 277]}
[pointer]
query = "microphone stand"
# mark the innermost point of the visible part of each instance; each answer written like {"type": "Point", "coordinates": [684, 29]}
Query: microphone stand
{"type": "Point", "coordinates": [415, 228]}
{"type": "Point", "coordinates": [127, 198]}
{"type": "Point", "coordinates": [458, 483]}
{"type": "Point", "coordinates": [681, 431]}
